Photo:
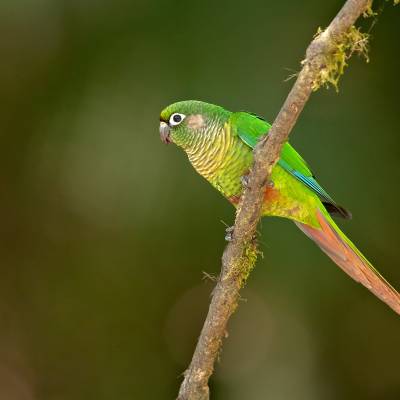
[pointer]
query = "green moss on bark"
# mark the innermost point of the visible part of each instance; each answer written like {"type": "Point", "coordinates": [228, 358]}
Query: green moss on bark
{"type": "Point", "coordinates": [353, 41]}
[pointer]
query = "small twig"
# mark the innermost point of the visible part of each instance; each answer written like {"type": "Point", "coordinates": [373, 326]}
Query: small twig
{"type": "Point", "coordinates": [240, 253]}
{"type": "Point", "coordinates": [209, 277]}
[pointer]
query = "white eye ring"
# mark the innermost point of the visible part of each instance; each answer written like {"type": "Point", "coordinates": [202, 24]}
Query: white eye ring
{"type": "Point", "coordinates": [176, 119]}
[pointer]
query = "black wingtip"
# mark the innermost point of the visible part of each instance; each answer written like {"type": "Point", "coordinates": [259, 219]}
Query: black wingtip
{"type": "Point", "coordinates": [338, 211]}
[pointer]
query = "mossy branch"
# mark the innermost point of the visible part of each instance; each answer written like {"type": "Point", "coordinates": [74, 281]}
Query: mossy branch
{"type": "Point", "coordinates": [325, 61]}
{"type": "Point", "coordinates": [353, 41]}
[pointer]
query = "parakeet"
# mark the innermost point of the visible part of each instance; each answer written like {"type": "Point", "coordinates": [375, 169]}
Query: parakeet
{"type": "Point", "coordinates": [219, 145]}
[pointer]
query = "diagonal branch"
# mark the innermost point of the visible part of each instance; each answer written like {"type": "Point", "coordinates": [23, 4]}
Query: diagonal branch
{"type": "Point", "coordinates": [240, 254]}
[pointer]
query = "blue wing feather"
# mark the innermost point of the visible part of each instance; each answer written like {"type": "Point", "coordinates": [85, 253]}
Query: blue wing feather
{"type": "Point", "coordinates": [307, 180]}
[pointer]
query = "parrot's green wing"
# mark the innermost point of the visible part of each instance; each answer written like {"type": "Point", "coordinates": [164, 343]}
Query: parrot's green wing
{"type": "Point", "coordinates": [250, 127]}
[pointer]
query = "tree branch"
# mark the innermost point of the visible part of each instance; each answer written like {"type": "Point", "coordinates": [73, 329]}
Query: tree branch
{"type": "Point", "coordinates": [241, 252]}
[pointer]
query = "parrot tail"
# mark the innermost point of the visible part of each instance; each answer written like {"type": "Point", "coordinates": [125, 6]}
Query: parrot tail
{"type": "Point", "coordinates": [344, 253]}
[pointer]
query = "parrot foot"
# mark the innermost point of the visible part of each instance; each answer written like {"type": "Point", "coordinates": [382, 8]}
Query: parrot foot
{"type": "Point", "coordinates": [229, 233]}
{"type": "Point", "coordinates": [244, 180]}
{"type": "Point", "coordinates": [268, 184]}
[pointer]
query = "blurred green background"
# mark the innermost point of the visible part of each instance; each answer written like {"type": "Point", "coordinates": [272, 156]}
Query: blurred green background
{"type": "Point", "coordinates": [105, 232]}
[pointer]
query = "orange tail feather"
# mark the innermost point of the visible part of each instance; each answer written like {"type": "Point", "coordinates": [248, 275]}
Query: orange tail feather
{"type": "Point", "coordinates": [350, 260]}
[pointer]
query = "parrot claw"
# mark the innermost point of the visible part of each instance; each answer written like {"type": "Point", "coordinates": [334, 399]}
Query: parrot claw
{"type": "Point", "coordinates": [244, 180]}
{"type": "Point", "coordinates": [229, 233]}
{"type": "Point", "coordinates": [268, 184]}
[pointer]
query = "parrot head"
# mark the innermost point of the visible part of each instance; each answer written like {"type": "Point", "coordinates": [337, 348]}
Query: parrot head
{"type": "Point", "coordinates": [187, 123]}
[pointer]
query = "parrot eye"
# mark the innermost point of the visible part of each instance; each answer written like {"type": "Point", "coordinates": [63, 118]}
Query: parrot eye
{"type": "Point", "coordinates": [176, 119]}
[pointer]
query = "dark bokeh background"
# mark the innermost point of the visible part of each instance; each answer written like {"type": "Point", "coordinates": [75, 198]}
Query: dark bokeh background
{"type": "Point", "coordinates": [105, 232]}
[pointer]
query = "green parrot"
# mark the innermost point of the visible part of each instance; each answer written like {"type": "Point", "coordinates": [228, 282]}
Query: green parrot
{"type": "Point", "coordinates": [220, 144]}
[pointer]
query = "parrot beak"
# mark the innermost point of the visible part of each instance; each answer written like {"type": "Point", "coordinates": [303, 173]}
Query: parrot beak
{"type": "Point", "coordinates": [164, 132]}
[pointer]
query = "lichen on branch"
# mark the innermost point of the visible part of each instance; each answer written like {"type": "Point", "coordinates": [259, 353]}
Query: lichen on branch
{"type": "Point", "coordinates": [351, 42]}
{"type": "Point", "coordinates": [369, 12]}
